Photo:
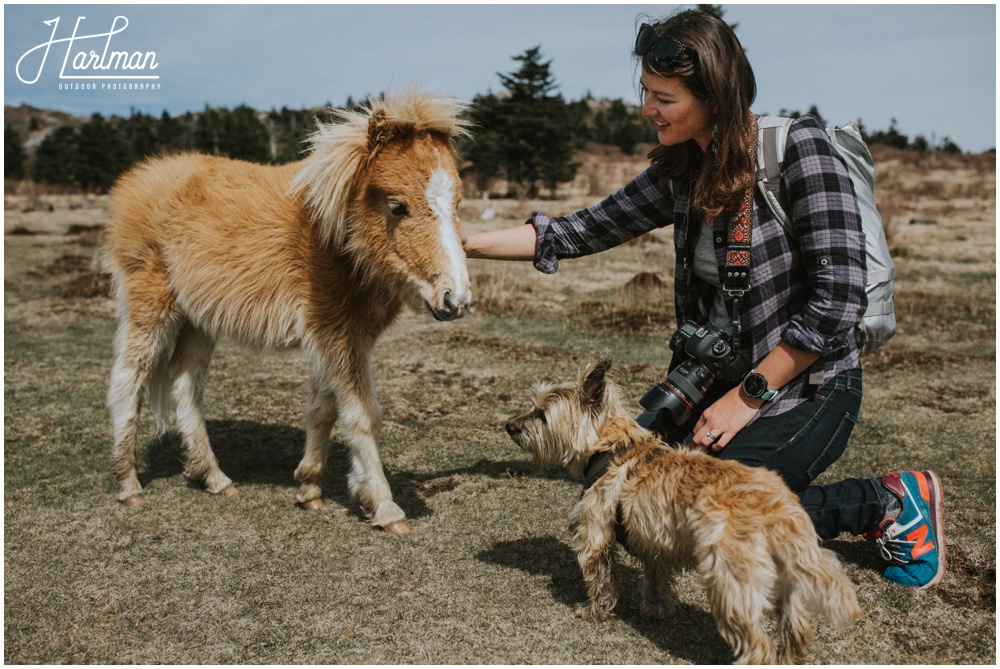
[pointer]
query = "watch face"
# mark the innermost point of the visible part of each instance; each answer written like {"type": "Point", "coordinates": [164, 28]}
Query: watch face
{"type": "Point", "coordinates": [754, 385]}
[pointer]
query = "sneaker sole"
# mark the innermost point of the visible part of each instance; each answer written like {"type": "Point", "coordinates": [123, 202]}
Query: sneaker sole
{"type": "Point", "coordinates": [937, 524]}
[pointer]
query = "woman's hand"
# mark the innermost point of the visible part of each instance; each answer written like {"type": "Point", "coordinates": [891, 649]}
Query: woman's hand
{"type": "Point", "coordinates": [724, 420]}
{"type": "Point", "coordinates": [734, 410]}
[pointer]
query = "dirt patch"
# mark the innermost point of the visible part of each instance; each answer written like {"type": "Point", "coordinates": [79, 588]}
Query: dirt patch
{"type": "Point", "coordinates": [971, 583]}
{"type": "Point", "coordinates": [433, 487]}
{"type": "Point", "coordinates": [65, 264]}
{"type": "Point", "coordinates": [87, 286]}
{"type": "Point", "coordinates": [645, 280]}
{"type": "Point", "coordinates": [86, 235]}
{"type": "Point", "coordinates": [890, 358]}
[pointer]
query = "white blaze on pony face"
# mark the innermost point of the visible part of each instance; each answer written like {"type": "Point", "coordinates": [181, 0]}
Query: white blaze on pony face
{"type": "Point", "coordinates": [454, 283]}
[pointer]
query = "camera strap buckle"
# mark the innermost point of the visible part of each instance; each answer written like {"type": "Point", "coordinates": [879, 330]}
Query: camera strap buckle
{"type": "Point", "coordinates": [737, 281]}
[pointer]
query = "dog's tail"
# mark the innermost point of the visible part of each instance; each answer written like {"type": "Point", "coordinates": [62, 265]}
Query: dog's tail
{"type": "Point", "coordinates": [813, 582]}
{"type": "Point", "coordinates": [816, 576]}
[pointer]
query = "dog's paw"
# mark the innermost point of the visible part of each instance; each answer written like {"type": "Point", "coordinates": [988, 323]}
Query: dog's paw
{"type": "Point", "coordinates": [592, 613]}
{"type": "Point", "coordinates": [656, 610]}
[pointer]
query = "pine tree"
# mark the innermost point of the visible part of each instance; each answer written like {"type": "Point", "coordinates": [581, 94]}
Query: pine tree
{"type": "Point", "coordinates": [13, 154]}
{"type": "Point", "coordinates": [57, 158]}
{"type": "Point", "coordinates": [485, 152]}
{"type": "Point", "coordinates": [175, 135]}
{"type": "Point", "coordinates": [620, 126]}
{"type": "Point", "coordinates": [245, 137]}
{"type": "Point", "coordinates": [141, 134]}
{"type": "Point", "coordinates": [103, 153]}
{"type": "Point", "coordinates": [208, 132]}
{"type": "Point", "coordinates": [528, 135]}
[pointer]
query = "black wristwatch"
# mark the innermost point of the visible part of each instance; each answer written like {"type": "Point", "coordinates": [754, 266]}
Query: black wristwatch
{"type": "Point", "coordinates": [755, 386]}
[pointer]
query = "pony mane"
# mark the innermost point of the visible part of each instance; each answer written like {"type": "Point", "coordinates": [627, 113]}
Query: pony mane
{"type": "Point", "coordinates": [341, 149]}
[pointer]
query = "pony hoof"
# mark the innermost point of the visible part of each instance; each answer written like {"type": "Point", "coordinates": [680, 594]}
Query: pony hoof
{"type": "Point", "coordinates": [230, 491]}
{"type": "Point", "coordinates": [398, 527]}
{"type": "Point", "coordinates": [134, 500]}
{"type": "Point", "coordinates": [313, 504]}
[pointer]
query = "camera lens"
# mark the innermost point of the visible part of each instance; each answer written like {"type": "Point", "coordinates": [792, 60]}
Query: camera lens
{"type": "Point", "coordinates": [680, 392]}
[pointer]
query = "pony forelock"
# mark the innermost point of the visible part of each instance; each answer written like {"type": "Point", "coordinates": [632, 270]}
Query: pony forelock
{"type": "Point", "coordinates": [339, 150]}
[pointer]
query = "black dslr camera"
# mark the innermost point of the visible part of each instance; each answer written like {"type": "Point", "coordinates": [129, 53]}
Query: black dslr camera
{"type": "Point", "coordinates": [706, 355]}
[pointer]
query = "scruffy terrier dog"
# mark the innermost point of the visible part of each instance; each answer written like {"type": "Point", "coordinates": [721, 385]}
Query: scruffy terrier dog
{"type": "Point", "coordinates": [742, 530]}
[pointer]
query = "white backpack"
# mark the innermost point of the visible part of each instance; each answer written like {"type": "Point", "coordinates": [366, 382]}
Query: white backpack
{"type": "Point", "coordinates": [879, 322]}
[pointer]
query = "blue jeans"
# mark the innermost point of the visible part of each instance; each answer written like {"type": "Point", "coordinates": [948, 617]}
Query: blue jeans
{"type": "Point", "coordinates": [800, 445]}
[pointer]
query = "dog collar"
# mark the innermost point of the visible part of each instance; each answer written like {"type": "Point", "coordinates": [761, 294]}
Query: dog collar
{"type": "Point", "coordinates": [596, 467]}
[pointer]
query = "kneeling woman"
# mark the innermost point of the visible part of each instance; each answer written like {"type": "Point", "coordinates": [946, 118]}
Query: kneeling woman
{"type": "Point", "coordinates": [795, 323]}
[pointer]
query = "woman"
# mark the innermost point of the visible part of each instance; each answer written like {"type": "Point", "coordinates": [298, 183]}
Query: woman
{"type": "Point", "coordinates": [795, 321]}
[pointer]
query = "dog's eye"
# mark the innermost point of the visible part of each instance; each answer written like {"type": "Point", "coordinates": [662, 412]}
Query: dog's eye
{"type": "Point", "coordinates": [541, 416]}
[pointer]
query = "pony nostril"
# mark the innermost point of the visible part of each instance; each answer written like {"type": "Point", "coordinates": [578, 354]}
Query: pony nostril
{"type": "Point", "coordinates": [512, 429]}
{"type": "Point", "coordinates": [449, 305]}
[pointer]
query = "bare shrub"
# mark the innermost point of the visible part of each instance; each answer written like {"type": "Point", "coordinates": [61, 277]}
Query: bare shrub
{"type": "Point", "coordinates": [500, 293]}
{"type": "Point", "coordinates": [645, 301]}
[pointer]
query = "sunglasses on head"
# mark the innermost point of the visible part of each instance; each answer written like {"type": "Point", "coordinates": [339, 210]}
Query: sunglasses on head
{"type": "Point", "coordinates": [666, 49]}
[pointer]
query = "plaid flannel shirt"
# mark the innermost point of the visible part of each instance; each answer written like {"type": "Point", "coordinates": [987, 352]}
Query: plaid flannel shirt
{"type": "Point", "coordinates": [809, 293]}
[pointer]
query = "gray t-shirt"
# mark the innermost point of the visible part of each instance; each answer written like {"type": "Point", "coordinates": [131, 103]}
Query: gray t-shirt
{"type": "Point", "coordinates": [706, 268]}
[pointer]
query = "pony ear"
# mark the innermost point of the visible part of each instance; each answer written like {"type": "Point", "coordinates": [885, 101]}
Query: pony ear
{"type": "Point", "coordinates": [379, 133]}
{"type": "Point", "coordinates": [594, 381]}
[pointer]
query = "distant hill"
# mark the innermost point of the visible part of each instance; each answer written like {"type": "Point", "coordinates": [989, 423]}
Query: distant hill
{"type": "Point", "coordinates": [35, 124]}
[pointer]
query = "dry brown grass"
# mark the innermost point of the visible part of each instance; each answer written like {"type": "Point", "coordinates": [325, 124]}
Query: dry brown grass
{"type": "Point", "coordinates": [487, 576]}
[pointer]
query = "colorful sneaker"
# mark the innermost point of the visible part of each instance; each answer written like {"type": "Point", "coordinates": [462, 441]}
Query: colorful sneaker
{"type": "Point", "coordinates": [913, 542]}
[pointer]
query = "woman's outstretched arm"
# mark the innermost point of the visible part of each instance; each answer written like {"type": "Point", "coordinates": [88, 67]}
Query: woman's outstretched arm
{"type": "Point", "coordinates": [514, 243]}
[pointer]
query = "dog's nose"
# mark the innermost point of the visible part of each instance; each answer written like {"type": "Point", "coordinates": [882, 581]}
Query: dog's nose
{"type": "Point", "coordinates": [512, 429]}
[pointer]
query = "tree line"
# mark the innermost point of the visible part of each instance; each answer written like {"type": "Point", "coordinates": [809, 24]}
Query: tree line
{"type": "Point", "coordinates": [526, 135]}
{"type": "Point", "coordinates": [93, 154]}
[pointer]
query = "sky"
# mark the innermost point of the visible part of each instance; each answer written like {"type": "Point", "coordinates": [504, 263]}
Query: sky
{"type": "Point", "coordinates": [930, 67]}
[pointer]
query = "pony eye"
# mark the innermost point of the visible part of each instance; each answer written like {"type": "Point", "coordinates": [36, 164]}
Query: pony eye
{"type": "Point", "coordinates": [397, 208]}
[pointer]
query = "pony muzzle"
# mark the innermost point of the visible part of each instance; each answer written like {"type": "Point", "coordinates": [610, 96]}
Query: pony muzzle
{"type": "Point", "coordinates": [449, 305]}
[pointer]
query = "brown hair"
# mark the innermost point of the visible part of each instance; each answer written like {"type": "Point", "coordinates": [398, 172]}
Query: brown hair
{"type": "Point", "coordinates": [715, 70]}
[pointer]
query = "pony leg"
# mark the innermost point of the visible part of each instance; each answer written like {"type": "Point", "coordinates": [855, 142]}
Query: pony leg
{"type": "Point", "coordinates": [360, 417]}
{"type": "Point", "coordinates": [139, 350]}
{"type": "Point", "coordinates": [188, 375]}
{"type": "Point", "coordinates": [321, 415]}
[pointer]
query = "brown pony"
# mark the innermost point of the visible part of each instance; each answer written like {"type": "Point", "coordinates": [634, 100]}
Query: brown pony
{"type": "Point", "coordinates": [320, 254]}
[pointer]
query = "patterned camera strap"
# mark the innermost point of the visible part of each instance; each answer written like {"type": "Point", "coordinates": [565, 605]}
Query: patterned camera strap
{"type": "Point", "coordinates": [737, 273]}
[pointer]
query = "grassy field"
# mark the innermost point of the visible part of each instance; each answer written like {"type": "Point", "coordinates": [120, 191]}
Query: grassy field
{"type": "Point", "coordinates": [487, 575]}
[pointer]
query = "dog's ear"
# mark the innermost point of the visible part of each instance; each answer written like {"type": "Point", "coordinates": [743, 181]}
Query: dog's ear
{"type": "Point", "coordinates": [594, 378]}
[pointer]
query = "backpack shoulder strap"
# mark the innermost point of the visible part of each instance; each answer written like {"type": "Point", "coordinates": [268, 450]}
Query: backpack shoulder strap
{"type": "Point", "coordinates": [772, 131]}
